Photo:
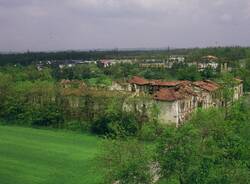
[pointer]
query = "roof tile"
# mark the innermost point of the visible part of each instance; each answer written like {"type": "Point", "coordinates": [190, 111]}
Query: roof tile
{"type": "Point", "coordinates": [207, 85]}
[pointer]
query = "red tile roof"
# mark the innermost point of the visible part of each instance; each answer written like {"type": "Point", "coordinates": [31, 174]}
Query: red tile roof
{"type": "Point", "coordinates": [207, 85]}
{"type": "Point", "coordinates": [182, 88]}
{"type": "Point", "coordinates": [168, 83]}
{"type": "Point", "coordinates": [188, 90]}
{"type": "Point", "coordinates": [141, 81]}
{"type": "Point", "coordinates": [138, 80]}
{"type": "Point", "coordinates": [168, 95]}
{"type": "Point", "coordinates": [154, 82]}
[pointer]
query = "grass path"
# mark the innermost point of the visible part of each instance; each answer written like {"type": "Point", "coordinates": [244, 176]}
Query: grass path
{"type": "Point", "coordinates": [31, 156]}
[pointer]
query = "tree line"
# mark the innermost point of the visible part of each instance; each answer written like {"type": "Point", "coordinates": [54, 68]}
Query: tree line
{"type": "Point", "coordinates": [27, 58]}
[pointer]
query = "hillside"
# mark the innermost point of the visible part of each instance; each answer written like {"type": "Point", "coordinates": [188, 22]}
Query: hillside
{"type": "Point", "coordinates": [42, 156]}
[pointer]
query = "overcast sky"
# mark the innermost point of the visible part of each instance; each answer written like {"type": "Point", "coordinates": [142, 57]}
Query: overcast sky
{"type": "Point", "coordinates": [42, 25]}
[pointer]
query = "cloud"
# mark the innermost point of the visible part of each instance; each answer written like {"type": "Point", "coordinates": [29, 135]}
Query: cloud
{"type": "Point", "coordinates": [13, 3]}
{"type": "Point", "coordinates": [83, 24]}
{"type": "Point", "coordinates": [129, 8]}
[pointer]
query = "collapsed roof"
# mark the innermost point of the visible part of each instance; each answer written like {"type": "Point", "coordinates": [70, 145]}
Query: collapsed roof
{"type": "Point", "coordinates": [141, 81]}
{"type": "Point", "coordinates": [207, 85]}
{"type": "Point", "coordinates": [178, 89]}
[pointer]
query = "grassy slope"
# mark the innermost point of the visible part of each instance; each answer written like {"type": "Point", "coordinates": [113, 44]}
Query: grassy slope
{"type": "Point", "coordinates": [34, 156]}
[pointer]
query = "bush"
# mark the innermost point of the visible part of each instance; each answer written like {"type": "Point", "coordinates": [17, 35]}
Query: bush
{"type": "Point", "coordinates": [47, 115]}
{"type": "Point", "coordinates": [101, 126]}
{"type": "Point", "coordinates": [208, 149]}
{"type": "Point", "coordinates": [150, 131]}
{"type": "Point", "coordinates": [126, 161]}
{"type": "Point", "coordinates": [115, 125]}
{"type": "Point", "coordinates": [77, 125]}
{"type": "Point", "coordinates": [102, 81]}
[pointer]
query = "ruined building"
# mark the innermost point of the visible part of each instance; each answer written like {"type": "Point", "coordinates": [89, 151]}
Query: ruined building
{"type": "Point", "coordinates": [178, 99]}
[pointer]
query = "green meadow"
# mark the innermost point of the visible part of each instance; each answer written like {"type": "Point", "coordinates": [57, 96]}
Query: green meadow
{"type": "Point", "coordinates": [34, 156]}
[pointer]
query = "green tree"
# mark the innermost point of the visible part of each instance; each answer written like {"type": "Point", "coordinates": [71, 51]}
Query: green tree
{"type": "Point", "coordinates": [189, 73]}
{"type": "Point", "coordinates": [228, 84]}
{"type": "Point", "coordinates": [207, 149]}
{"type": "Point", "coordinates": [48, 115]}
{"type": "Point", "coordinates": [208, 73]}
{"type": "Point", "coordinates": [126, 161]}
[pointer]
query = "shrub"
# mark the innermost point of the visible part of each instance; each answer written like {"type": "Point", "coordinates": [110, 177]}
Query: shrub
{"type": "Point", "coordinates": [47, 115]}
{"type": "Point", "coordinates": [150, 131]}
{"type": "Point", "coordinates": [121, 124]}
{"type": "Point", "coordinates": [126, 161]}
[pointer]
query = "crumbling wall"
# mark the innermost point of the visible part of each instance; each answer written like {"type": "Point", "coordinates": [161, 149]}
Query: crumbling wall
{"type": "Point", "coordinates": [238, 92]}
{"type": "Point", "coordinates": [168, 112]}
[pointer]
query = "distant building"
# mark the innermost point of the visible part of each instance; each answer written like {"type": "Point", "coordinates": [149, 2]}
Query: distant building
{"type": "Point", "coordinates": [211, 62]}
{"type": "Point", "coordinates": [157, 63]}
{"type": "Point", "coordinates": [105, 63]}
{"type": "Point", "coordinates": [152, 65]}
{"type": "Point", "coordinates": [174, 60]}
{"type": "Point", "coordinates": [208, 62]}
{"type": "Point", "coordinates": [89, 62]}
{"type": "Point", "coordinates": [177, 58]}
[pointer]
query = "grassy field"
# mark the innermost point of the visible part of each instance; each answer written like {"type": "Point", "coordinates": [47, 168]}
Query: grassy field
{"type": "Point", "coordinates": [31, 156]}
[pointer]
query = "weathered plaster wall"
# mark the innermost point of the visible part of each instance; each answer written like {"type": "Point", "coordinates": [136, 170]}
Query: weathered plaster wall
{"type": "Point", "coordinates": [238, 92]}
{"type": "Point", "coordinates": [120, 87]}
{"type": "Point", "coordinates": [168, 112]}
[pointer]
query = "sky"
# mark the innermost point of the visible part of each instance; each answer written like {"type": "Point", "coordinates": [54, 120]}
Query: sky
{"type": "Point", "coordinates": [47, 25]}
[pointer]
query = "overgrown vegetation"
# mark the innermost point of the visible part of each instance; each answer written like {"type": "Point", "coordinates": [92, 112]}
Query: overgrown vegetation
{"type": "Point", "coordinates": [126, 161]}
{"type": "Point", "coordinates": [213, 147]}
{"type": "Point", "coordinates": [208, 149]}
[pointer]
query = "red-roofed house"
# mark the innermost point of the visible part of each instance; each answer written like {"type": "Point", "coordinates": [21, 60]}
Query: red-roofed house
{"type": "Point", "coordinates": [208, 93]}
{"type": "Point", "coordinates": [139, 84]}
{"type": "Point", "coordinates": [175, 105]}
